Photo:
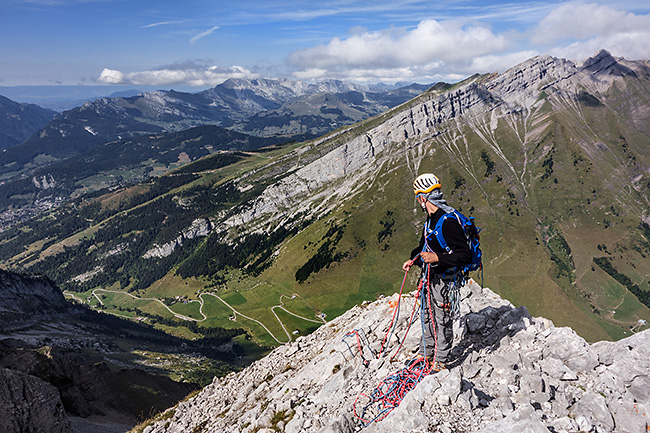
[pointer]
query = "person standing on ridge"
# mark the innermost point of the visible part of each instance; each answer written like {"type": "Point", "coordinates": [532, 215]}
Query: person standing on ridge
{"type": "Point", "coordinates": [439, 269]}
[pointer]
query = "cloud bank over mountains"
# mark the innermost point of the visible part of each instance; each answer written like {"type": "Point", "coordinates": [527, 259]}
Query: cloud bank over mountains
{"type": "Point", "coordinates": [193, 75]}
{"type": "Point", "coordinates": [434, 50]}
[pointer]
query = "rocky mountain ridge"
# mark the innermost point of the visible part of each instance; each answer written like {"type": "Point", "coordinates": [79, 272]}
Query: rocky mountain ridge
{"type": "Point", "coordinates": [25, 298]}
{"type": "Point", "coordinates": [512, 373]}
{"type": "Point", "coordinates": [516, 91]}
{"type": "Point", "coordinates": [19, 121]}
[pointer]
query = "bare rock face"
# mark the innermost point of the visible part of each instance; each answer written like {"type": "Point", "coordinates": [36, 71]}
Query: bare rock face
{"type": "Point", "coordinates": [512, 373]}
{"type": "Point", "coordinates": [25, 297]}
{"type": "Point", "coordinates": [86, 385]}
{"type": "Point", "coordinates": [47, 369]}
{"type": "Point", "coordinates": [351, 162]}
{"type": "Point", "coordinates": [28, 404]}
{"type": "Point", "coordinates": [199, 228]}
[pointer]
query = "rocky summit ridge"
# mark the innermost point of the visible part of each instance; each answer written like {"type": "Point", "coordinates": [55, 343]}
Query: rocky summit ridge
{"type": "Point", "coordinates": [512, 373]}
{"type": "Point", "coordinates": [349, 160]}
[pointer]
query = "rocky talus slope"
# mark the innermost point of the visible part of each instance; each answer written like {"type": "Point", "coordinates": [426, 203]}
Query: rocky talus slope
{"type": "Point", "coordinates": [513, 373]}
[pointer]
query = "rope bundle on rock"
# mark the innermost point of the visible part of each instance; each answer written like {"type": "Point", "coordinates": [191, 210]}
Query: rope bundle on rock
{"type": "Point", "coordinates": [391, 391]}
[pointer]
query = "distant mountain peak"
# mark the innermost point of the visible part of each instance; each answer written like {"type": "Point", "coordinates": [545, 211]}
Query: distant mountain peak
{"type": "Point", "coordinates": [18, 121]}
{"type": "Point", "coordinates": [603, 56]}
{"type": "Point", "coordinates": [604, 63]}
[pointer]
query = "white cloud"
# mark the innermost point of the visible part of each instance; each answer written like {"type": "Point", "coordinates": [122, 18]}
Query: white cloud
{"type": "Point", "coordinates": [163, 23]}
{"type": "Point", "coordinates": [204, 34]}
{"type": "Point", "coordinates": [579, 30]}
{"type": "Point", "coordinates": [191, 75]}
{"type": "Point", "coordinates": [310, 74]}
{"type": "Point", "coordinates": [427, 73]}
{"type": "Point", "coordinates": [447, 41]}
{"type": "Point", "coordinates": [436, 50]}
{"type": "Point", "coordinates": [450, 48]}
{"type": "Point", "coordinates": [111, 76]}
{"type": "Point", "coordinates": [582, 21]}
{"type": "Point", "coordinates": [432, 50]}
{"type": "Point", "coordinates": [499, 62]}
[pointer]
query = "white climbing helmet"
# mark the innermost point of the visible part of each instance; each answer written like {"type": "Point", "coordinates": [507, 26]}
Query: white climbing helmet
{"type": "Point", "coordinates": [425, 183]}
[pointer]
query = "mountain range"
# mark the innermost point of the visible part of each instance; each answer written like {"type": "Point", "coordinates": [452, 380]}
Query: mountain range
{"type": "Point", "coordinates": [549, 156]}
{"type": "Point", "coordinates": [115, 164]}
{"type": "Point", "coordinates": [293, 109]}
{"type": "Point", "coordinates": [271, 241]}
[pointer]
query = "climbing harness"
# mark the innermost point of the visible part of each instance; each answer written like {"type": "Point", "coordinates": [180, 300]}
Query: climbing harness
{"type": "Point", "coordinates": [451, 293]}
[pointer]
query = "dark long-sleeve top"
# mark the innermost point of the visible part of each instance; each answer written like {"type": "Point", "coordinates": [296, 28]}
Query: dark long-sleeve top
{"type": "Point", "coordinates": [454, 235]}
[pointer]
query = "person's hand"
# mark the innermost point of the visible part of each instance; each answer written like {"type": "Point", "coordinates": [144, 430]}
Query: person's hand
{"type": "Point", "coordinates": [407, 265]}
{"type": "Point", "coordinates": [429, 257]}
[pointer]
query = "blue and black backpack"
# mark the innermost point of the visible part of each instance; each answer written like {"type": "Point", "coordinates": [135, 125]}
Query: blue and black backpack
{"type": "Point", "coordinates": [472, 235]}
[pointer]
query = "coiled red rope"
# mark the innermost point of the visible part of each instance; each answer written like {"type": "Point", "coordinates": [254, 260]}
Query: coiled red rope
{"type": "Point", "coordinates": [391, 391]}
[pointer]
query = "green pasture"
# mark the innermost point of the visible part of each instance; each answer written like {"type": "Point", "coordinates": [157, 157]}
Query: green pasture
{"type": "Point", "coordinates": [218, 316]}
{"type": "Point", "coordinates": [172, 285]}
{"type": "Point", "coordinates": [191, 309]}
{"type": "Point", "coordinates": [123, 314]}
{"type": "Point", "coordinates": [234, 298]}
{"type": "Point", "coordinates": [42, 158]}
{"type": "Point", "coordinates": [177, 331]}
{"type": "Point", "coordinates": [217, 313]}
{"type": "Point", "coordinates": [631, 310]}
{"type": "Point", "coordinates": [293, 323]}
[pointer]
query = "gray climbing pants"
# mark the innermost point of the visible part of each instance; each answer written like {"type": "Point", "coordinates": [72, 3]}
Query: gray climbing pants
{"type": "Point", "coordinates": [442, 320]}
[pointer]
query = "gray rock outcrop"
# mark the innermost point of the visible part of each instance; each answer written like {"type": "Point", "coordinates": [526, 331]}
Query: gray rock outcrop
{"type": "Point", "coordinates": [28, 297]}
{"type": "Point", "coordinates": [199, 228]}
{"type": "Point", "coordinates": [28, 404]}
{"type": "Point", "coordinates": [512, 373]}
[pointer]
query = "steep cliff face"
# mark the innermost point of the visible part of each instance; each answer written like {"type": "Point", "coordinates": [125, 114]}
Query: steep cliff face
{"type": "Point", "coordinates": [87, 385]}
{"type": "Point", "coordinates": [53, 365]}
{"type": "Point", "coordinates": [28, 404]}
{"type": "Point", "coordinates": [28, 297]}
{"type": "Point", "coordinates": [511, 373]}
{"type": "Point", "coordinates": [199, 228]}
{"type": "Point", "coordinates": [479, 102]}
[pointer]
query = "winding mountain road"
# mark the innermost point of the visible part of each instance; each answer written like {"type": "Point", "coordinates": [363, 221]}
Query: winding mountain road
{"type": "Point", "coordinates": [205, 317]}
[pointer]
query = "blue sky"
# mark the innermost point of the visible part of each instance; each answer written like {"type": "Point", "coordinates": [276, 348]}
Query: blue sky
{"type": "Point", "coordinates": [201, 43]}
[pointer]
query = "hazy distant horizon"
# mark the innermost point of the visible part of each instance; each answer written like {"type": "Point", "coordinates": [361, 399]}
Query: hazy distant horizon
{"type": "Point", "coordinates": [64, 97]}
{"type": "Point", "coordinates": [61, 97]}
